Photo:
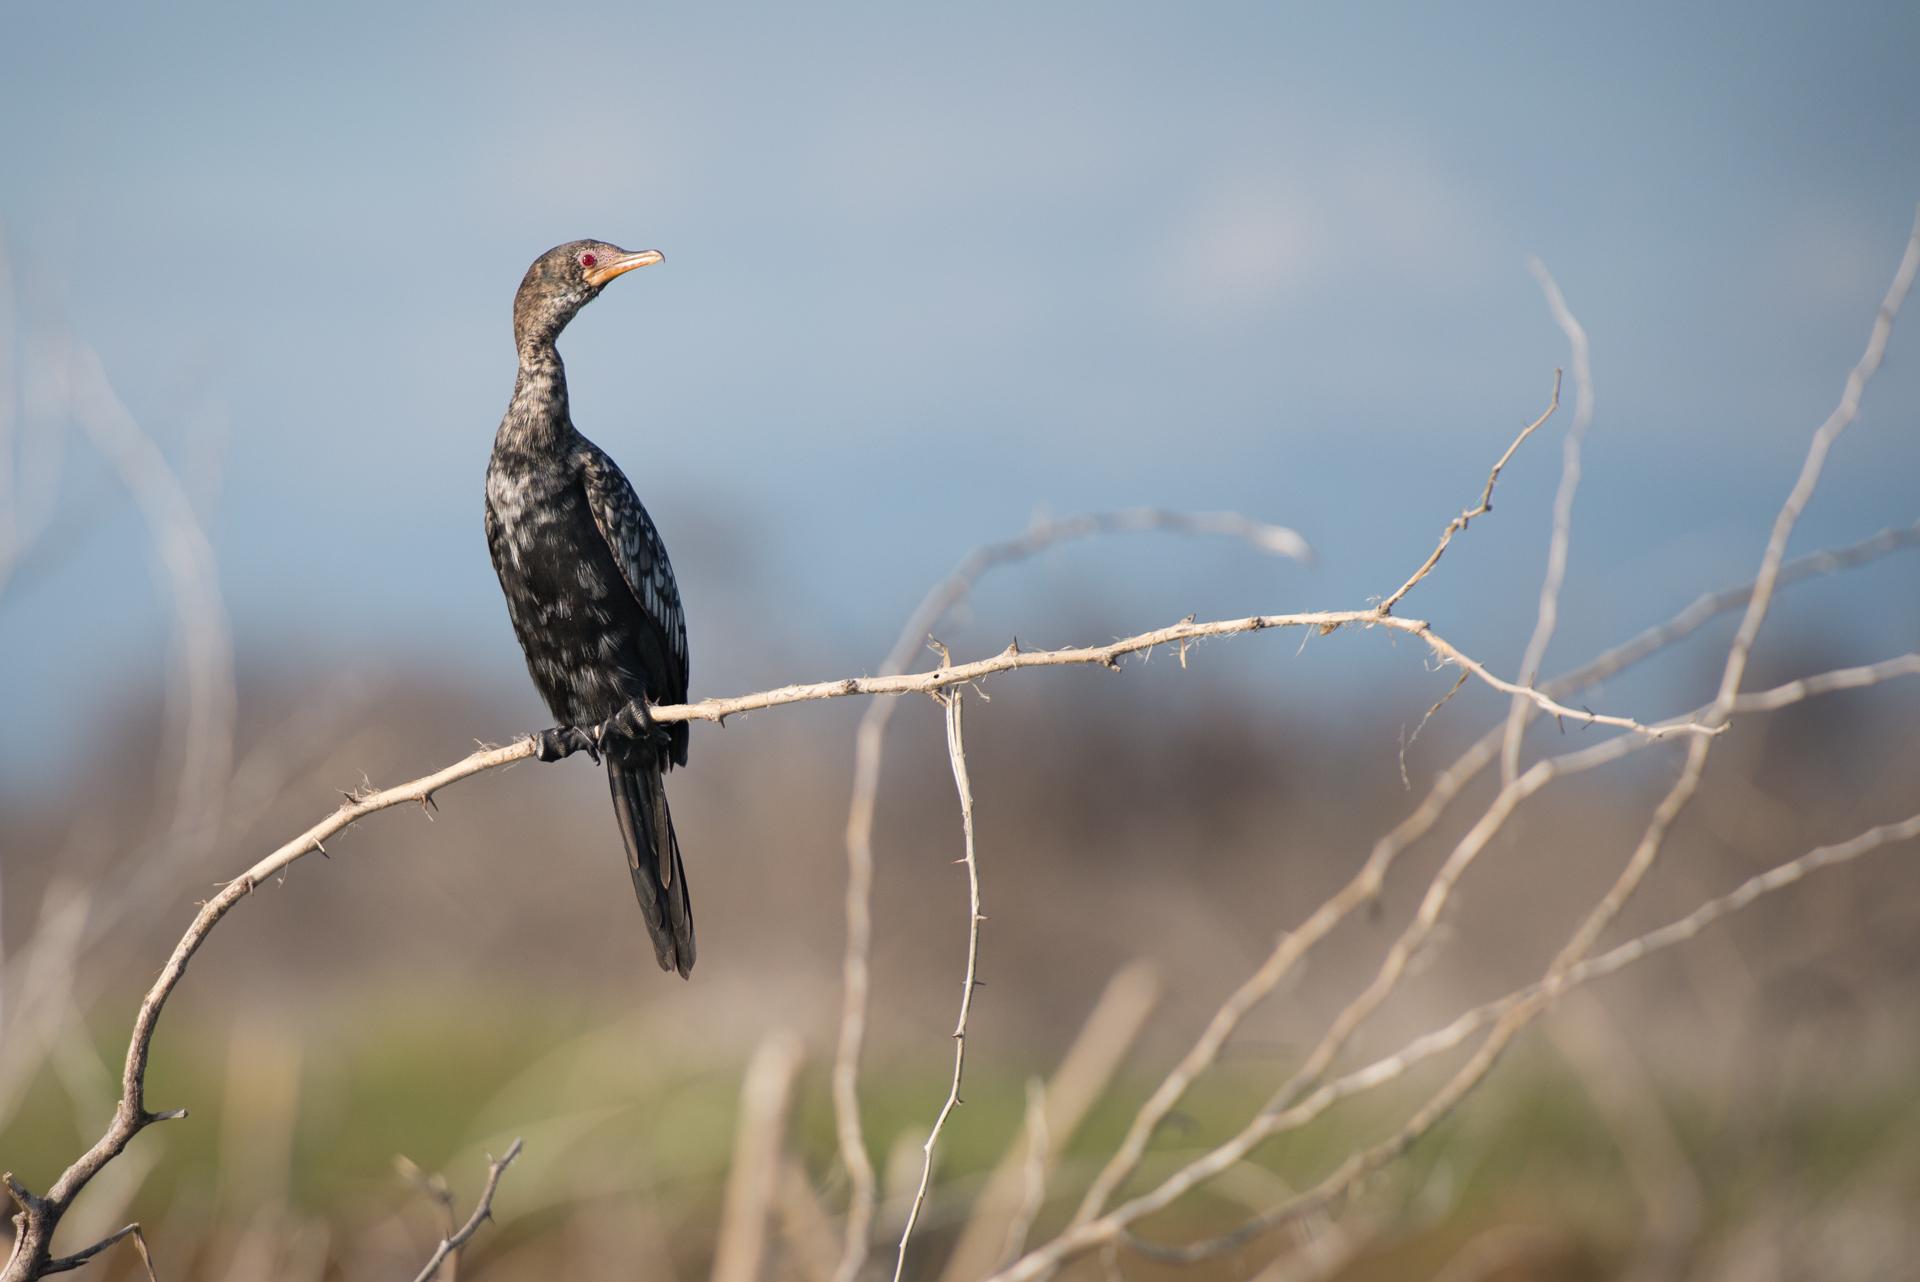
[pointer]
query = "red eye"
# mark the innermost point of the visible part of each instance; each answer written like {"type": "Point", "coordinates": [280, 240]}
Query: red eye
{"type": "Point", "coordinates": [588, 260]}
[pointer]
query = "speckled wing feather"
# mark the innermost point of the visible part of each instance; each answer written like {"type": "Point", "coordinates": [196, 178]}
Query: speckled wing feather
{"type": "Point", "coordinates": [642, 558]}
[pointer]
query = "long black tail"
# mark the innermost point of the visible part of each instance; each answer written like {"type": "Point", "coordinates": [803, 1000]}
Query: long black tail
{"type": "Point", "coordinates": [653, 857]}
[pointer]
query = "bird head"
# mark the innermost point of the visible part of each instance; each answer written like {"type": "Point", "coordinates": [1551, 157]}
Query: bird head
{"type": "Point", "coordinates": [565, 279]}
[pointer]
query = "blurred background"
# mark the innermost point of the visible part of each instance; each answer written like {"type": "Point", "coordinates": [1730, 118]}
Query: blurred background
{"type": "Point", "coordinates": [930, 275]}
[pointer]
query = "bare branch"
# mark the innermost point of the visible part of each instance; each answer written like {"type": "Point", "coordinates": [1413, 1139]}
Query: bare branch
{"type": "Point", "coordinates": [64, 1263]}
{"type": "Point", "coordinates": [1109, 656]}
{"type": "Point", "coordinates": [196, 754]}
{"type": "Point", "coordinates": [1512, 1021]}
{"type": "Point", "coordinates": [1684, 788]}
{"type": "Point", "coordinates": [1282, 1112]}
{"type": "Point", "coordinates": [758, 1171]}
{"type": "Point", "coordinates": [1086, 1071]}
{"type": "Point", "coordinates": [482, 1212]}
{"type": "Point", "coordinates": [1391, 1067]}
{"type": "Point", "coordinates": [1713, 604]}
{"type": "Point", "coordinates": [131, 1116]}
{"type": "Point", "coordinates": [1366, 883]}
{"type": "Point", "coordinates": [1485, 505]}
{"type": "Point", "coordinates": [1288, 1108]}
{"type": "Point", "coordinates": [1549, 612]}
{"type": "Point", "coordinates": [957, 754]}
{"type": "Point", "coordinates": [869, 743]}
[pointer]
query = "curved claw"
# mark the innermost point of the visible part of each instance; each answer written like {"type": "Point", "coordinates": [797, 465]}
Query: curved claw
{"type": "Point", "coordinates": [634, 721]}
{"type": "Point", "coordinates": [562, 742]}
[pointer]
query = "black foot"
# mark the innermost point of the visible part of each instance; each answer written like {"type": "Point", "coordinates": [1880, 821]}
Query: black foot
{"type": "Point", "coordinates": [633, 722]}
{"type": "Point", "coordinates": [562, 742]}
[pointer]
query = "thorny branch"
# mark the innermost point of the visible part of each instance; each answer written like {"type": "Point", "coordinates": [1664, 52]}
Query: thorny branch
{"type": "Point", "coordinates": [1109, 655]}
{"type": "Point", "coordinates": [869, 748]}
{"type": "Point", "coordinates": [482, 1212]}
{"type": "Point", "coordinates": [41, 1217]}
{"type": "Point", "coordinates": [963, 787]}
{"type": "Point", "coordinates": [1366, 884]}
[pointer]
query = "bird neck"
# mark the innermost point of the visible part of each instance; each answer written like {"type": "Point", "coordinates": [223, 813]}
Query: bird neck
{"type": "Point", "coordinates": [537, 418]}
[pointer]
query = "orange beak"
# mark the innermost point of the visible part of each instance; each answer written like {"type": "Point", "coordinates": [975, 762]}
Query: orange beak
{"type": "Point", "coordinates": [606, 271]}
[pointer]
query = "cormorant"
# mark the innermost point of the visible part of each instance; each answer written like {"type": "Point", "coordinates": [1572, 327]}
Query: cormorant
{"type": "Point", "coordinates": [589, 588]}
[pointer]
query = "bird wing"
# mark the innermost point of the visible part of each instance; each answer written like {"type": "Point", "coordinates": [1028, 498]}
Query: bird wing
{"type": "Point", "coordinates": [629, 533]}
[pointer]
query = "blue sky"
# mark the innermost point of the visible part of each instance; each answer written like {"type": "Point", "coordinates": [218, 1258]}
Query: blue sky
{"type": "Point", "coordinates": [930, 271]}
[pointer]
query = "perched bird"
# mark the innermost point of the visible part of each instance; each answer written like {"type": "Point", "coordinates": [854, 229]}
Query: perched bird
{"type": "Point", "coordinates": [589, 588]}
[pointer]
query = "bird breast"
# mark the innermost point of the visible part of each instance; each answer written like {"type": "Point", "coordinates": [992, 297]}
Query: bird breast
{"type": "Point", "coordinates": [526, 504]}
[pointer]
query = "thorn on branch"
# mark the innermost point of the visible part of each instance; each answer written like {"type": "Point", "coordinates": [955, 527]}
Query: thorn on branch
{"type": "Point", "coordinates": [482, 1212]}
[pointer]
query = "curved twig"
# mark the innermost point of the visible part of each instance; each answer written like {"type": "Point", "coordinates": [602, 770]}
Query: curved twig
{"type": "Point", "coordinates": [482, 1212]}
{"type": "Point", "coordinates": [963, 786]}
{"type": "Point", "coordinates": [1548, 616]}
{"type": "Point", "coordinates": [869, 745]}
{"type": "Point", "coordinates": [1484, 506]}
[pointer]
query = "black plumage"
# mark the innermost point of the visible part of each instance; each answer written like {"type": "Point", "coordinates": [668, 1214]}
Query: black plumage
{"type": "Point", "coordinates": [590, 590]}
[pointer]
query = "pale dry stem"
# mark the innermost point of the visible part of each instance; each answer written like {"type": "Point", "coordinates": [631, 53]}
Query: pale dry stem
{"type": "Point", "coordinates": [963, 787]}
{"type": "Point", "coordinates": [1484, 506]}
{"type": "Point", "coordinates": [869, 749]}
{"type": "Point", "coordinates": [1548, 614]}
{"type": "Point", "coordinates": [451, 1244]}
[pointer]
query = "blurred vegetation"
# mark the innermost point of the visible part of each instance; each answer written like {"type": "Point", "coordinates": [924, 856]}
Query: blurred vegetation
{"type": "Point", "coordinates": [434, 989]}
{"type": "Point", "coordinates": [614, 1137]}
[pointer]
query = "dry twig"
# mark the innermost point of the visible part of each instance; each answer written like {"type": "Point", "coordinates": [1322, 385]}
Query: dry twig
{"type": "Point", "coordinates": [1484, 506]}
{"type": "Point", "coordinates": [869, 746]}
{"type": "Point", "coordinates": [1109, 655]}
{"type": "Point", "coordinates": [1516, 1018]}
{"type": "Point", "coordinates": [1549, 612]}
{"type": "Point", "coordinates": [482, 1212]}
{"type": "Point", "coordinates": [1391, 1067]}
{"type": "Point", "coordinates": [1001, 1215]}
{"type": "Point", "coordinates": [957, 755]}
